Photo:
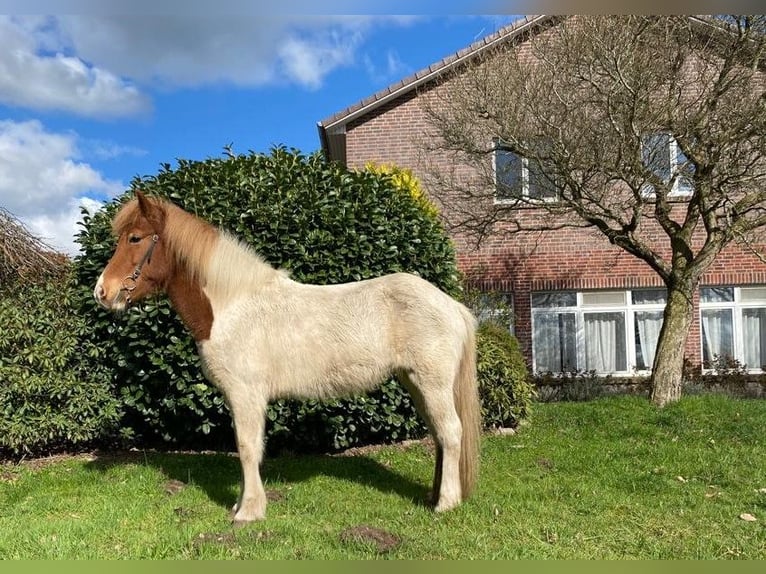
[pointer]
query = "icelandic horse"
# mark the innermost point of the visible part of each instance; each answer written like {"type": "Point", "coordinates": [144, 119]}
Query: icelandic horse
{"type": "Point", "coordinates": [263, 336]}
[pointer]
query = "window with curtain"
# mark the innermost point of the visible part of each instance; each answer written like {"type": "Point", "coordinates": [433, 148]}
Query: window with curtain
{"type": "Point", "coordinates": [555, 342]}
{"type": "Point", "coordinates": [717, 335]}
{"type": "Point", "coordinates": [754, 342]}
{"type": "Point", "coordinates": [733, 326]}
{"type": "Point", "coordinates": [605, 342]}
{"type": "Point", "coordinates": [495, 306]}
{"type": "Point", "coordinates": [589, 331]}
{"type": "Point", "coordinates": [647, 333]}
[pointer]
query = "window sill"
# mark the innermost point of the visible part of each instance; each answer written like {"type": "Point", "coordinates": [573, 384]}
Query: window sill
{"type": "Point", "coordinates": [524, 202]}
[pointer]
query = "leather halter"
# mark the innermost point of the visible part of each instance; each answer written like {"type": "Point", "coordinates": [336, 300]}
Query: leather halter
{"type": "Point", "coordinates": [129, 283]}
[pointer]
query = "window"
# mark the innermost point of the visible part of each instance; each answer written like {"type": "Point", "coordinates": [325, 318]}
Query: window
{"type": "Point", "coordinates": [609, 332]}
{"type": "Point", "coordinates": [519, 178]}
{"type": "Point", "coordinates": [663, 156]}
{"type": "Point", "coordinates": [554, 331]}
{"type": "Point", "coordinates": [493, 306]}
{"type": "Point", "coordinates": [733, 326]}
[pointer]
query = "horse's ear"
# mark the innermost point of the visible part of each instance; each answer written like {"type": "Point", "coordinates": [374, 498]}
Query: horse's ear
{"type": "Point", "coordinates": [151, 210]}
{"type": "Point", "coordinates": [143, 203]}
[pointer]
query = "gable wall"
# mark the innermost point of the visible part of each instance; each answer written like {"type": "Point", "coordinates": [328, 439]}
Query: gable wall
{"type": "Point", "coordinates": [577, 259]}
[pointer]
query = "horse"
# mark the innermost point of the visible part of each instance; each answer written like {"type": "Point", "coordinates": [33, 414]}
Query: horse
{"type": "Point", "coordinates": [263, 336]}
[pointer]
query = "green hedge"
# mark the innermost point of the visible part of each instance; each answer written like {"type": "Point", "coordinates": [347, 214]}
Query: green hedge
{"type": "Point", "coordinates": [324, 224]}
{"type": "Point", "coordinates": [73, 375]}
{"type": "Point", "coordinates": [52, 395]}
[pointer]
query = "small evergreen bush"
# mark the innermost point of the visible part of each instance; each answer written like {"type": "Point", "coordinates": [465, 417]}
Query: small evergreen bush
{"type": "Point", "coordinates": [504, 385]}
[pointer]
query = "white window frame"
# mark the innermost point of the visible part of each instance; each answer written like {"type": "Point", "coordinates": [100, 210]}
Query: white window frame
{"type": "Point", "coordinates": [682, 185]}
{"type": "Point", "coordinates": [582, 308]}
{"type": "Point", "coordinates": [737, 306]}
{"type": "Point", "coordinates": [524, 179]}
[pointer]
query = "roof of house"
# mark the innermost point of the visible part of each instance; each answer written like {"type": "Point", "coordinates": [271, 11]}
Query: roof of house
{"type": "Point", "coordinates": [332, 130]}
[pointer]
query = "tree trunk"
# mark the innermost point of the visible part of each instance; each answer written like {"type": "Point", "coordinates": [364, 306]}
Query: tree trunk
{"type": "Point", "coordinates": [667, 373]}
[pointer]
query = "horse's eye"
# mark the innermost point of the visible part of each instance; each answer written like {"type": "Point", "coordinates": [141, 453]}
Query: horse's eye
{"type": "Point", "coordinates": [134, 239]}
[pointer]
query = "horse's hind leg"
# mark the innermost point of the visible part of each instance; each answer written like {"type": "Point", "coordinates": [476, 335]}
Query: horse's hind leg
{"type": "Point", "coordinates": [435, 402]}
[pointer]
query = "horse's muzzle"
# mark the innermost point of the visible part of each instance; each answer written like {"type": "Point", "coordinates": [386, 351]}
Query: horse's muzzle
{"type": "Point", "coordinates": [116, 303]}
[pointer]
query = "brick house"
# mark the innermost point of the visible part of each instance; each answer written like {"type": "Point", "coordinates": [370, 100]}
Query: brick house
{"type": "Point", "coordinates": [571, 291]}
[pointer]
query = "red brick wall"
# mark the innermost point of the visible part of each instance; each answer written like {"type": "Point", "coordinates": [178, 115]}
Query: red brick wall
{"type": "Point", "coordinates": [577, 259]}
{"type": "Point", "coordinates": [388, 135]}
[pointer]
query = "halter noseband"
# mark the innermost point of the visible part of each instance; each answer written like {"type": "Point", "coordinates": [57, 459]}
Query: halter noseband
{"type": "Point", "coordinates": [129, 283]}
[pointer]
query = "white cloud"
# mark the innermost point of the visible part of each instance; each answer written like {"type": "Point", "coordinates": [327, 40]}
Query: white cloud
{"type": "Point", "coordinates": [192, 49]}
{"type": "Point", "coordinates": [32, 78]}
{"type": "Point", "coordinates": [389, 71]}
{"type": "Point", "coordinates": [307, 60]}
{"type": "Point", "coordinates": [103, 66]}
{"type": "Point", "coordinates": [59, 229]}
{"type": "Point", "coordinates": [104, 150]}
{"type": "Point", "coordinates": [43, 181]}
{"type": "Point", "coordinates": [395, 66]}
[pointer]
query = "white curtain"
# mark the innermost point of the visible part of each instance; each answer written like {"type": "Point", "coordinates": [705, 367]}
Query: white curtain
{"type": "Point", "coordinates": [547, 353]}
{"type": "Point", "coordinates": [554, 342]}
{"type": "Point", "coordinates": [605, 342]}
{"type": "Point", "coordinates": [716, 334]}
{"type": "Point", "coordinates": [754, 339]}
{"type": "Point", "coordinates": [649, 324]}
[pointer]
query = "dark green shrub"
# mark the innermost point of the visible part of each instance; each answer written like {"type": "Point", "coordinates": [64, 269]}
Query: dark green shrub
{"type": "Point", "coordinates": [504, 386]}
{"type": "Point", "coordinates": [324, 224]}
{"type": "Point", "coordinates": [52, 397]}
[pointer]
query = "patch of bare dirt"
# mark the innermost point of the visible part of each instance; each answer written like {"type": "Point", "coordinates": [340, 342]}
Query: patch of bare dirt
{"type": "Point", "coordinates": [381, 540]}
{"type": "Point", "coordinates": [182, 513]}
{"type": "Point", "coordinates": [45, 461]}
{"type": "Point", "coordinates": [133, 455]}
{"type": "Point", "coordinates": [545, 463]}
{"type": "Point", "coordinates": [140, 455]}
{"type": "Point", "coordinates": [8, 475]}
{"type": "Point", "coordinates": [274, 496]}
{"type": "Point", "coordinates": [173, 486]}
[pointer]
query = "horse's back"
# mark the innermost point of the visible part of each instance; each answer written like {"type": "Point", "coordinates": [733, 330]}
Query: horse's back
{"type": "Point", "coordinates": [424, 322]}
{"type": "Point", "coordinates": [316, 340]}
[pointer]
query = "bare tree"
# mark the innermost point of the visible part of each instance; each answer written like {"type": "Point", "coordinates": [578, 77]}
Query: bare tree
{"type": "Point", "coordinates": [24, 256]}
{"type": "Point", "coordinates": [650, 130]}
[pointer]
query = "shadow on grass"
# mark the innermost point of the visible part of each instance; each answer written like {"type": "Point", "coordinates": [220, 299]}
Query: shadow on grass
{"type": "Point", "coordinates": [218, 475]}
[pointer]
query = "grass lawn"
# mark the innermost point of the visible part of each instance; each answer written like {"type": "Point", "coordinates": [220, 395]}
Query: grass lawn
{"type": "Point", "coordinates": [611, 479]}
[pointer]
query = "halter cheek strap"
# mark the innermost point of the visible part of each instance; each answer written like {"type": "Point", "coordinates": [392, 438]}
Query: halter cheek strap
{"type": "Point", "coordinates": [129, 283]}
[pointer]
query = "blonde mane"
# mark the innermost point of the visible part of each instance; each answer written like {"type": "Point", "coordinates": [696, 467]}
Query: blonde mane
{"type": "Point", "coordinates": [220, 263]}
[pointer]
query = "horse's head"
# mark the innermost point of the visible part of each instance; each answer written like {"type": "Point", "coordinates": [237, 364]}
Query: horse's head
{"type": "Point", "coordinates": [139, 265]}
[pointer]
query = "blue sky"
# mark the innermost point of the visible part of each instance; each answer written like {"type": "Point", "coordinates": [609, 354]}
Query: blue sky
{"type": "Point", "coordinates": [89, 102]}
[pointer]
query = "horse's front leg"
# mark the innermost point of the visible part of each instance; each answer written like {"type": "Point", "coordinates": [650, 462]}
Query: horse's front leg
{"type": "Point", "coordinates": [249, 426]}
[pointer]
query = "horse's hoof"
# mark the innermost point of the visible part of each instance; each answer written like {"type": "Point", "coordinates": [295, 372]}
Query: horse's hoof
{"type": "Point", "coordinates": [444, 506]}
{"type": "Point", "coordinates": [240, 523]}
{"type": "Point", "coordinates": [239, 520]}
